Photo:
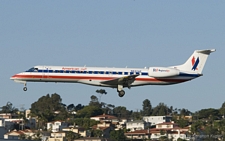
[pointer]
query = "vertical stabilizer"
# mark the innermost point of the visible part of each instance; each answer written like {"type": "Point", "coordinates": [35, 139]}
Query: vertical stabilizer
{"type": "Point", "coordinates": [197, 61]}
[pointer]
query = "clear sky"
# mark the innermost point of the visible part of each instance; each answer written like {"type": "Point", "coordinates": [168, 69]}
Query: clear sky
{"type": "Point", "coordinates": [114, 33]}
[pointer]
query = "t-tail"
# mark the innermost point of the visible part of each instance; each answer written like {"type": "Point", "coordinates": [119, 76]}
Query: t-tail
{"type": "Point", "coordinates": [196, 62]}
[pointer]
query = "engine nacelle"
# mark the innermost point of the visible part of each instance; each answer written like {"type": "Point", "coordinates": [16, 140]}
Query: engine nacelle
{"type": "Point", "coordinates": [162, 72]}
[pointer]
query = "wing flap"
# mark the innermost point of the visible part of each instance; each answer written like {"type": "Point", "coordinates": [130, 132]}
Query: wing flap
{"type": "Point", "coordinates": [126, 80]}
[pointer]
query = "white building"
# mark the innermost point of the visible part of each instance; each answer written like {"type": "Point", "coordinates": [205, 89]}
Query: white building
{"type": "Point", "coordinates": [137, 125]}
{"type": "Point", "coordinates": [153, 120]}
{"type": "Point", "coordinates": [56, 126]}
{"type": "Point", "coordinates": [168, 129]}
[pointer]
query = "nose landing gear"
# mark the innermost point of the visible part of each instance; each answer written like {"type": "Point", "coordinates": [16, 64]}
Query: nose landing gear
{"type": "Point", "coordinates": [25, 87]}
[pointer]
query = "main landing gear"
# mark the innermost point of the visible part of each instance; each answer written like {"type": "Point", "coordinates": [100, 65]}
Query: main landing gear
{"type": "Point", "coordinates": [120, 91]}
{"type": "Point", "coordinates": [25, 87]}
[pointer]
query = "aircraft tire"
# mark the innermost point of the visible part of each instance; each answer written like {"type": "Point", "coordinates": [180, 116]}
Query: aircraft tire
{"type": "Point", "coordinates": [121, 93]}
{"type": "Point", "coordinates": [25, 88]}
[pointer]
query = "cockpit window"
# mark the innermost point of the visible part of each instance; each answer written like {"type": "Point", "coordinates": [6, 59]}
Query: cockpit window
{"type": "Point", "coordinates": [32, 70]}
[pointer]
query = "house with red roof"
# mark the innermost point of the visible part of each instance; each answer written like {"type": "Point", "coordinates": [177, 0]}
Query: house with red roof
{"type": "Point", "coordinates": [15, 135]}
{"type": "Point", "coordinates": [169, 129]}
{"type": "Point", "coordinates": [105, 117]}
{"type": "Point", "coordinates": [105, 127]}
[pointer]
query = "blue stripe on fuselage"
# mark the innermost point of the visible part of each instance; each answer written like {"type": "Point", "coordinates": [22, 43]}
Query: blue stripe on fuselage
{"type": "Point", "coordinates": [188, 75]}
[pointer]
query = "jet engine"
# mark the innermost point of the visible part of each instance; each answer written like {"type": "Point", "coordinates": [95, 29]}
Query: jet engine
{"type": "Point", "coordinates": [160, 72]}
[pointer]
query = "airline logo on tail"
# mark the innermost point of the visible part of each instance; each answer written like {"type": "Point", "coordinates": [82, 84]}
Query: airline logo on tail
{"type": "Point", "coordinates": [195, 63]}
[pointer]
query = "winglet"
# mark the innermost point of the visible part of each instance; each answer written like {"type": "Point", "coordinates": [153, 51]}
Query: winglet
{"type": "Point", "coordinates": [208, 51]}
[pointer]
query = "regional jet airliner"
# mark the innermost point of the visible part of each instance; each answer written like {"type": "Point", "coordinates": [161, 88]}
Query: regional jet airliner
{"type": "Point", "coordinates": [118, 78]}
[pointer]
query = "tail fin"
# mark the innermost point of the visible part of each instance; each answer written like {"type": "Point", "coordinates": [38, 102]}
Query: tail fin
{"type": "Point", "coordinates": [197, 61]}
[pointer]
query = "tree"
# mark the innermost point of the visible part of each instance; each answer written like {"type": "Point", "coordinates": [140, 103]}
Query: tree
{"type": "Point", "coordinates": [101, 92]}
{"type": "Point", "coordinates": [220, 125]}
{"type": "Point", "coordinates": [94, 101]}
{"type": "Point", "coordinates": [71, 107]}
{"type": "Point", "coordinates": [97, 133]}
{"type": "Point", "coordinates": [160, 110]}
{"type": "Point", "coordinates": [136, 115]}
{"type": "Point", "coordinates": [8, 108]}
{"type": "Point", "coordinates": [117, 135]}
{"type": "Point", "coordinates": [206, 113]}
{"type": "Point", "coordinates": [182, 123]}
{"type": "Point", "coordinates": [222, 109]}
{"type": "Point", "coordinates": [84, 122]}
{"type": "Point", "coordinates": [46, 107]}
{"type": "Point", "coordinates": [121, 111]}
{"type": "Point", "coordinates": [89, 111]}
{"type": "Point", "coordinates": [185, 112]}
{"type": "Point", "coordinates": [79, 107]}
{"type": "Point", "coordinates": [210, 130]}
{"type": "Point", "coordinates": [146, 108]}
{"type": "Point", "coordinates": [195, 127]}
{"type": "Point", "coordinates": [70, 136]}
{"type": "Point", "coordinates": [107, 108]}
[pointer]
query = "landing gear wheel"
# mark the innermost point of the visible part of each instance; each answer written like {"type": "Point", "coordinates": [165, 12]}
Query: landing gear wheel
{"type": "Point", "coordinates": [25, 88]}
{"type": "Point", "coordinates": [121, 93]}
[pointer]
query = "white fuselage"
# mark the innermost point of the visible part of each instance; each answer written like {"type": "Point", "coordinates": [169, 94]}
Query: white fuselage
{"type": "Point", "coordinates": [96, 75]}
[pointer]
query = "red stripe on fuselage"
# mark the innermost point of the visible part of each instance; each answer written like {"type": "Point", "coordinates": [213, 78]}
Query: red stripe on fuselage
{"type": "Point", "coordinates": [46, 77]}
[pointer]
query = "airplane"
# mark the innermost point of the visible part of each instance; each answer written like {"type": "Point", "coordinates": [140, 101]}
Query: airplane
{"type": "Point", "coordinates": [118, 78]}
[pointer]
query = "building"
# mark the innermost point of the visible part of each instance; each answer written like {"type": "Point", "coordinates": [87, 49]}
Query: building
{"type": "Point", "coordinates": [105, 127]}
{"type": "Point", "coordinates": [21, 134]}
{"type": "Point", "coordinates": [104, 117]}
{"type": "Point", "coordinates": [8, 115]}
{"type": "Point", "coordinates": [56, 126]}
{"type": "Point", "coordinates": [139, 134]}
{"type": "Point", "coordinates": [78, 130]}
{"type": "Point", "coordinates": [137, 125]}
{"type": "Point", "coordinates": [153, 120]}
{"type": "Point", "coordinates": [93, 139]}
{"type": "Point", "coordinates": [57, 136]}
{"type": "Point", "coordinates": [168, 129]}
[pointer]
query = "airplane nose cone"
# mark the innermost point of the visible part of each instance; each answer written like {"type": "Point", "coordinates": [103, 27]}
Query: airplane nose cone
{"type": "Point", "coordinates": [13, 77]}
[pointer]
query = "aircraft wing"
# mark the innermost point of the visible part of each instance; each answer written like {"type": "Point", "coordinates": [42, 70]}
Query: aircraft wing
{"type": "Point", "coordinates": [125, 81]}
